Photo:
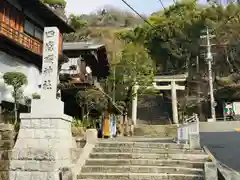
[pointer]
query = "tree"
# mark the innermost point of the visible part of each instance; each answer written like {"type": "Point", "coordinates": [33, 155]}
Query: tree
{"type": "Point", "coordinates": [77, 22]}
{"type": "Point", "coordinates": [81, 100]}
{"type": "Point", "coordinates": [58, 6]}
{"type": "Point", "coordinates": [91, 99]}
{"type": "Point", "coordinates": [135, 66]}
{"type": "Point", "coordinates": [36, 96]}
{"type": "Point", "coordinates": [96, 99]}
{"type": "Point", "coordinates": [16, 80]}
{"type": "Point", "coordinates": [61, 3]}
{"type": "Point", "coordinates": [28, 101]}
{"type": "Point", "coordinates": [173, 42]}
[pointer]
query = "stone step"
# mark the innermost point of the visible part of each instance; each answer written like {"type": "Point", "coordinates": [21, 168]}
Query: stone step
{"type": "Point", "coordinates": [146, 162]}
{"type": "Point", "coordinates": [146, 150]}
{"type": "Point", "coordinates": [138, 139]}
{"type": "Point", "coordinates": [147, 156]}
{"type": "Point", "coordinates": [6, 144]}
{"type": "Point", "coordinates": [141, 145]}
{"type": "Point", "coordinates": [139, 176]}
{"type": "Point", "coordinates": [4, 165]}
{"type": "Point", "coordinates": [141, 169]}
{"type": "Point", "coordinates": [5, 154]}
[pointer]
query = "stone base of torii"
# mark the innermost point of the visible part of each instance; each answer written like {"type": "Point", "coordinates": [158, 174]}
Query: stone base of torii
{"type": "Point", "coordinates": [45, 145]}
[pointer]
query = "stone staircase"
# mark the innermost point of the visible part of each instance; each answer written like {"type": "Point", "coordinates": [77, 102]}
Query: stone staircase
{"type": "Point", "coordinates": [143, 159]}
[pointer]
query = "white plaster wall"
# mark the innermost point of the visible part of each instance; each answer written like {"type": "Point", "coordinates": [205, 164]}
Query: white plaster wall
{"type": "Point", "coordinates": [9, 64]}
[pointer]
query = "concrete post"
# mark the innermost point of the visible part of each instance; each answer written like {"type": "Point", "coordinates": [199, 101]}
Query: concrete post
{"type": "Point", "coordinates": [91, 136]}
{"type": "Point", "coordinates": [210, 171]}
{"type": "Point", "coordinates": [174, 102]}
{"type": "Point", "coordinates": [194, 141]}
{"type": "Point", "coordinates": [134, 104]}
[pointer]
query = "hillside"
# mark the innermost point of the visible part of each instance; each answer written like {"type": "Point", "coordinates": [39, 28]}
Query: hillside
{"type": "Point", "coordinates": [102, 26]}
{"type": "Point", "coordinates": [113, 17]}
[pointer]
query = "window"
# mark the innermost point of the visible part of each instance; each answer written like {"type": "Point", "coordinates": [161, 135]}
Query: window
{"type": "Point", "coordinates": [33, 30]}
{"type": "Point", "coordinates": [38, 33]}
{"type": "Point", "coordinates": [29, 28]}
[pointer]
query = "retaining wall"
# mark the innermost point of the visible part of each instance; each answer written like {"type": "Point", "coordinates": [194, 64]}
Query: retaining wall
{"type": "Point", "coordinates": [6, 145]}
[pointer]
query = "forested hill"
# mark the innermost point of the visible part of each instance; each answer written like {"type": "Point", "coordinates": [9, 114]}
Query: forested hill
{"type": "Point", "coordinates": [102, 25]}
{"type": "Point", "coordinates": [111, 17]}
{"type": "Point", "coordinates": [108, 16]}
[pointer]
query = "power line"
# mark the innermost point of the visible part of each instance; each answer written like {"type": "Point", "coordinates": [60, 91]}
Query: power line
{"type": "Point", "coordinates": [125, 2]}
{"type": "Point", "coordinates": [162, 4]}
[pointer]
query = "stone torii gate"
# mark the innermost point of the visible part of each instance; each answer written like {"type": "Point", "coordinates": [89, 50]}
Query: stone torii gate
{"type": "Point", "coordinates": [170, 81]}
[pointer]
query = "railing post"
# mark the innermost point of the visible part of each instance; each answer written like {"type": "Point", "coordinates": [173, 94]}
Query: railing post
{"type": "Point", "coordinates": [186, 135]}
{"type": "Point", "coordinates": [178, 133]}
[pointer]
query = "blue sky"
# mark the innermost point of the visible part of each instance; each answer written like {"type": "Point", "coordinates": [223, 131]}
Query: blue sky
{"type": "Point", "coordinates": [142, 6]}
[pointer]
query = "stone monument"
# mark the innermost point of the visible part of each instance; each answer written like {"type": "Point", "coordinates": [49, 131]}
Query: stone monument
{"type": "Point", "coordinates": [44, 144]}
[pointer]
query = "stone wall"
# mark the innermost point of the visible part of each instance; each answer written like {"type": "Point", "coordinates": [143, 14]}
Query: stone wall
{"type": "Point", "coordinates": [164, 131]}
{"type": "Point", "coordinates": [6, 144]}
{"type": "Point", "coordinates": [154, 110]}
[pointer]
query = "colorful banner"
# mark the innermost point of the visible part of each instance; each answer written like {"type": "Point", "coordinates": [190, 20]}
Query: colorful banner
{"type": "Point", "coordinates": [113, 126]}
{"type": "Point", "coordinates": [106, 126]}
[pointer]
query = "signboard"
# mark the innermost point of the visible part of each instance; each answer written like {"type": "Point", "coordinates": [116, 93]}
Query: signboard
{"type": "Point", "coordinates": [236, 106]}
{"type": "Point", "coordinates": [113, 126]}
{"type": "Point", "coordinates": [106, 126]}
{"type": "Point", "coordinates": [228, 109]}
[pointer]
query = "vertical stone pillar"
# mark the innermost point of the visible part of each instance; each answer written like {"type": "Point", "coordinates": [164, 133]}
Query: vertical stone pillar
{"type": "Point", "coordinates": [134, 104]}
{"type": "Point", "coordinates": [91, 136]}
{"type": "Point", "coordinates": [44, 144]}
{"type": "Point", "coordinates": [174, 102]}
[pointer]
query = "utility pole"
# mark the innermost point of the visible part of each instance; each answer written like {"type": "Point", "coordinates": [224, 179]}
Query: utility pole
{"type": "Point", "coordinates": [1, 107]}
{"type": "Point", "coordinates": [114, 123]}
{"type": "Point", "coordinates": [198, 86]}
{"type": "Point", "coordinates": [114, 83]}
{"type": "Point", "coordinates": [209, 59]}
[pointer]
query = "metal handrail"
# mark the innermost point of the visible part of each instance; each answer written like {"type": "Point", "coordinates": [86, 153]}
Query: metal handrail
{"type": "Point", "coordinates": [190, 126]}
{"type": "Point", "coordinates": [25, 40]}
{"type": "Point", "coordinates": [193, 118]}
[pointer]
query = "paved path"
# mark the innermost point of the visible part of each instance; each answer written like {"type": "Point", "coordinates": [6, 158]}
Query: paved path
{"type": "Point", "coordinates": [225, 146]}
